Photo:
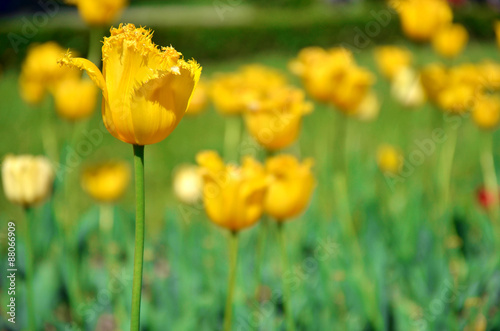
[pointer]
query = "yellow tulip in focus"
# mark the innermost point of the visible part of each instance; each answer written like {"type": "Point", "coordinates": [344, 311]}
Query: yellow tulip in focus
{"type": "Point", "coordinates": [187, 184]}
{"type": "Point", "coordinates": [420, 19]}
{"type": "Point", "coordinates": [99, 12]}
{"type": "Point", "coordinates": [391, 59]}
{"type": "Point", "coordinates": [486, 112]}
{"type": "Point", "coordinates": [27, 179]}
{"type": "Point", "coordinates": [106, 182]}
{"type": "Point", "coordinates": [389, 160]}
{"type": "Point", "coordinates": [450, 40]}
{"type": "Point", "coordinates": [75, 98]}
{"type": "Point", "coordinates": [291, 187]}
{"type": "Point", "coordinates": [407, 88]}
{"type": "Point", "coordinates": [199, 100]}
{"type": "Point", "coordinates": [146, 90]}
{"type": "Point", "coordinates": [233, 196]}
{"type": "Point", "coordinates": [274, 120]}
{"type": "Point", "coordinates": [40, 72]}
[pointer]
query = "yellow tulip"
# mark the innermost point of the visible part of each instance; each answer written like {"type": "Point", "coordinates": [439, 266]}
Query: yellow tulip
{"type": "Point", "coordinates": [490, 74]}
{"type": "Point", "coordinates": [75, 98]}
{"type": "Point", "coordinates": [99, 12]}
{"type": "Point", "coordinates": [291, 187]}
{"type": "Point", "coordinates": [369, 108]}
{"type": "Point", "coordinates": [106, 182]}
{"type": "Point", "coordinates": [486, 111]}
{"type": "Point", "coordinates": [391, 59]}
{"type": "Point", "coordinates": [187, 184]}
{"type": "Point", "coordinates": [434, 79]}
{"type": "Point", "coordinates": [450, 40]}
{"type": "Point", "coordinates": [232, 92]}
{"type": "Point", "coordinates": [456, 98]}
{"type": "Point", "coordinates": [420, 19]}
{"type": "Point", "coordinates": [389, 160]}
{"type": "Point", "coordinates": [322, 70]}
{"type": "Point", "coordinates": [275, 119]}
{"type": "Point", "coordinates": [146, 90]}
{"type": "Point", "coordinates": [40, 72]}
{"type": "Point", "coordinates": [199, 101]}
{"type": "Point", "coordinates": [407, 88]}
{"type": "Point", "coordinates": [354, 86]}
{"type": "Point", "coordinates": [27, 179]}
{"type": "Point", "coordinates": [497, 32]}
{"type": "Point", "coordinates": [233, 196]}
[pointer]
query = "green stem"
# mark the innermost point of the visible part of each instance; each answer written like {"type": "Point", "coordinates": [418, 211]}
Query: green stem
{"type": "Point", "coordinates": [286, 289]}
{"type": "Point", "coordinates": [233, 262]}
{"type": "Point", "coordinates": [29, 270]}
{"type": "Point", "coordinates": [139, 237]}
{"type": "Point", "coordinates": [261, 241]}
{"type": "Point", "coordinates": [232, 135]}
{"type": "Point", "coordinates": [489, 174]}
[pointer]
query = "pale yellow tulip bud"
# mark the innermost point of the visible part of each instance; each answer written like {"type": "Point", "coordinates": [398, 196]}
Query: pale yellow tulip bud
{"type": "Point", "coordinates": [187, 184]}
{"type": "Point", "coordinates": [27, 179]}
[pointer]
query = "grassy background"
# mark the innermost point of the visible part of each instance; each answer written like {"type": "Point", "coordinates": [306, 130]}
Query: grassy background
{"type": "Point", "coordinates": [403, 282]}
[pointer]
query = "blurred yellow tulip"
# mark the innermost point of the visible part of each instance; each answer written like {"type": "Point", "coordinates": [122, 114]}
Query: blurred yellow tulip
{"type": "Point", "coordinates": [199, 100]}
{"type": "Point", "coordinates": [146, 90]}
{"type": "Point", "coordinates": [322, 70]}
{"type": "Point", "coordinates": [486, 111]}
{"type": "Point", "coordinates": [389, 160]}
{"type": "Point", "coordinates": [497, 32]}
{"type": "Point", "coordinates": [291, 187]}
{"type": "Point", "coordinates": [490, 74]}
{"type": "Point", "coordinates": [407, 88]}
{"type": "Point", "coordinates": [275, 119]}
{"type": "Point", "coordinates": [450, 40]}
{"type": "Point", "coordinates": [420, 19]}
{"type": "Point", "coordinates": [99, 12]}
{"type": "Point", "coordinates": [456, 98]}
{"type": "Point", "coordinates": [27, 179]}
{"type": "Point", "coordinates": [75, 98]}
{"type": "Point", "coordinates": [106, 182]}
{"type": "Point", "coordinates": [369, 108]}
{"type": "Point", "coordinates": [40, 72]}
{"type": "Point", "coordinates": [232, 92]}
{"type": "Point", "coordinates": [233, 196]}
{"type": "Point", "coordinates": [391, 59]}
{"type": "Point", "coordinates": [434, 79]}
{"type": "Point", "coordinates": [187, 184]}
{"type": "Point", "coordinates": [354, 86]}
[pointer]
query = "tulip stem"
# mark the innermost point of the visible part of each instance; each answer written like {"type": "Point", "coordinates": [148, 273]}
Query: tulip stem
{"type": "Point", "coordinates": [29, 270]}
{"type": "Point", "coordinates": [286, 289]}
{"type": "Point", "coordinates": [232, 134]}
{"type": "Point", "coordinates": [490, 180]}
{"type": "Point", "coordinates": [233, 262]}
{"type": "Point", "coordinates": [139, 237]}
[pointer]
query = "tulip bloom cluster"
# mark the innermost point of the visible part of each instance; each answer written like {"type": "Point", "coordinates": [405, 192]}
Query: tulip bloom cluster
{"type": "Point", "coordinates": [332, 76]}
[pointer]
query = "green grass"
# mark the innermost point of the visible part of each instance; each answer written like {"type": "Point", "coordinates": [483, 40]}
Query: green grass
{"type": "Point", "coordinates": [186, 259]}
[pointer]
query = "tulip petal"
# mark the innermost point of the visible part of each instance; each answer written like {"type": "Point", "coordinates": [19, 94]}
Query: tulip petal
{"type": "Point", "coordinates": [91, 69]}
